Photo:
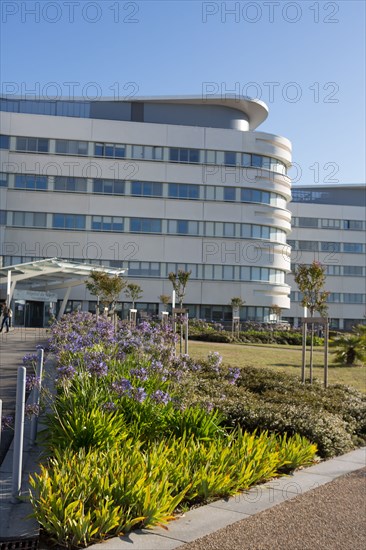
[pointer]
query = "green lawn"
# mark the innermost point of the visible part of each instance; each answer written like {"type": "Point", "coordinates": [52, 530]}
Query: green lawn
{"type": "Point", "coordinates": [281, 358]}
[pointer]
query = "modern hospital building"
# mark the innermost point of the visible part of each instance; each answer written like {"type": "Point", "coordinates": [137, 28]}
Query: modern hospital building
{"type": "Point", "coordinates": [154, 185]}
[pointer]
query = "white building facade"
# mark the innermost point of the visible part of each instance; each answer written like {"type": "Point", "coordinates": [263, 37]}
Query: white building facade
{"type": "Point", "coordinates": [152, 185]}
{"type": "Point", "coordinates": [329, 226]}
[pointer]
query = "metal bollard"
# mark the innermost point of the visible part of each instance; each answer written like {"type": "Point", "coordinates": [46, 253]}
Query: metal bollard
{"type": "Point", "coordinates": [36, 396]}
{"type": "Point", "coordinates": [18, 435]}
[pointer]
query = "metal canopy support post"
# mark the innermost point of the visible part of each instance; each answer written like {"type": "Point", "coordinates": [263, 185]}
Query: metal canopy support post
{"type": "Point", "coordinates": [64, 303]}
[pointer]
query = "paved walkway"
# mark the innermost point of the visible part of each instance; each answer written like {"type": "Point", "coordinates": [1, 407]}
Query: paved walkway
{"type": "Point", "coordinates": [13, 346]}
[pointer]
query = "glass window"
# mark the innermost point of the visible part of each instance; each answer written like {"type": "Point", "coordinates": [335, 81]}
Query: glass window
{"type": "Point", "coordinates": [137, 152]}
{"type": "Point", "coordinates": [229, 229]}
{"type": "Point", "coordinates": [330, 247]}
{"type": "Point", "coordinates": [307, 222]}
{"type": "Point", "coordinates": [228, 272]}
{"type": "Point", "coordinates": [109, 187]}
{"type": "Point", "coordinates": [4, 141]}
{"type": "Point", "coordinates": [184, 155]}
{"type": "Point", "coordinates": [356, 248]}
{"type": "Point", "coordinates": [353, 224]}
{"type": "Point", "coordinates": [3, 179]}
{"type": "Point", "coordinates": [70, 184]}
{"type": "Point", "coordinates": [257, 161]}
{"type": "Point", "coordinates": [229, 193]}
{"type": "Point", "coordinates": [230, 158]}
{"type": "Point", "coordinates": [36, 145]}
{"type": "Point", "coordinates": [2, 217]}
{"type": "Point", "coordinates": [145, 225]}
{"type": "Point", "coordinates": [183, 191]}
{"type": "Point", "coordinates": [210, 192]}
{"type": "Point", "coordinates": [30, 182]}
{"type": "Point", "coordinates": [311, 246]}
{"type": "Point", "coordinates": [71, 147]}
{"type": "Point", "coordinates": [246, 159]}
{"type": "Point", "coordinates": [211, 157]}
{"type": "Point", "coordinates": [355, 270]}
{"type": "Point", "coordinates": [147, 188]}
{"type": "Point", "coordinates": [68, 221]}
{"type": "Point", "coordinates": [111, 150]}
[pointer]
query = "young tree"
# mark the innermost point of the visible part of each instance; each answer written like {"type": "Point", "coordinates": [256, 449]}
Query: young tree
{"type": "Point", "coordinates": [165, 299]}
{"type": "Point", "coordinates": [105, 287]}
{"type": "Point", "coordinates": [179, 281]}
{"type": "Point", "coordinates": [236, 302]}
{"type": "Point", "coordinates": [133, 292]}
{"type": "Point", "coordinates": [310, 281]}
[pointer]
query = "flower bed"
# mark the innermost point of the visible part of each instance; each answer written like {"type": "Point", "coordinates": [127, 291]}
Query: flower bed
{"type": "Point", "coordinates": [136, 434]}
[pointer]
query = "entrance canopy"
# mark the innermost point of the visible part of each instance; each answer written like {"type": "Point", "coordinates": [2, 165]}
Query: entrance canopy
{"type": "Point", "coordinates": [49, 275]}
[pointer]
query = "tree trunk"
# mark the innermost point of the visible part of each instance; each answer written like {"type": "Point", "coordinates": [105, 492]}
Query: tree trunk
{"type": "Point", "coordinates": [311, 352]}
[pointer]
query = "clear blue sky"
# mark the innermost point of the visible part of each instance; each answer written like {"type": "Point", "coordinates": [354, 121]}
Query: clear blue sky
{"type": "Point", "coordinates": [306, 60]}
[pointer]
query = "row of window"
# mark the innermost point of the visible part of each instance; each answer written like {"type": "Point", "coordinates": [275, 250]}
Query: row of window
{"type": "Point", "coordinates": [33, 182]}
{"type": "Point", "coordinates": [336, 297]}
{"type": "Point", "coordinates": [198, 271]}
{"type": "Point", "coordinates": [143, 225]}
{"type": "Point", "coordinates": [325, 246]}
{"type": "Point", "coordinates": [80, 109]}
{"type": "Point", "coordinates": [325, 223]}
{"type": "Point", "coordinates": [341, 270]}
{"type": "Point", "coordinates": [143, 152]}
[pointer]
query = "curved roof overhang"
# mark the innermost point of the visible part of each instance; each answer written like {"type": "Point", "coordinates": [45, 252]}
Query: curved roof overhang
{"type": "Point", "coordinates": [50, 274]}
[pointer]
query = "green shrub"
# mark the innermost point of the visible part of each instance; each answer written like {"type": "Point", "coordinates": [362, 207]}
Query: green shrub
{"type": "Point", "coordinates": [82, 497]}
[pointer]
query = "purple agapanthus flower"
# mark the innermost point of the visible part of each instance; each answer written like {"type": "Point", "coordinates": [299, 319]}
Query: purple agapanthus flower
{"type": "Point", "coordinates": [122, 388]}
{"type": "Point", "coordinates": [139, 394]}
{"type": "Point", "coordinates": [160, 397]}
{"type": "Point", "coordinates": [233, 375]}
{"type": "Point", "coordinates": [66, 372]}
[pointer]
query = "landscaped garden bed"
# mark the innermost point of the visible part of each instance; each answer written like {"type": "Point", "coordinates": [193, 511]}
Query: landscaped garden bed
{"type": "Point", "coordinates": [137, 435]}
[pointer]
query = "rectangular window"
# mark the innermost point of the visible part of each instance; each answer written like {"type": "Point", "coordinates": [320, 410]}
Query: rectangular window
{"type": "Point", "coordinates": [310, 246]}
{"type": "Point", "coordinates": [230, 158]}
{"type": "Point", "coordinates": [2, 217]}
{"type": "Point", "coordinates": [109, 187]}
{"type": "Point", "coordinates": [183, 191]}
{"type": "Point", "coordinates": [356, 248]}
{"type": "Point", "coordinates": [355, 270]}
{"type": "Point", "coordinates": [210, 157]}
{"type": "Point", "coordinates": [356, 225]}
{"type": "Point", "coordinates": [110, 150]}
{"type": "Point", "coordinates": [30, 182]}
{"type": "Point", "coordinates": [147, 188]}
{"type": "Point", "coordinates": [330, 247]}
{"type": "Point", "coordinates": [34, 145]}
{"type": "Point", "coordinates": [29, 219]}
{"type": "Point", "coordinates": [331, 223]}
{"type": "Point", "coordinates": [307, 222]}
{"type": "Point", "coordinates": [69, 184]}
{"type": "Point", "coordinates": [184, 155]}
{"type": "Point", "coordinates": [229, 229]}
{"type": "Point", "coordinates": [107, 223]}
{"type": "Point", "coordinates": [246, 159]}
{"type": "Point", "coordinates": [3, 179]}
{"type": "Point", "coordinates": [71, 147]}
{"type": "Point", "coordinates": [4, 141]}
{"type": "Point", "coordinates": [145, 225]}
{"type": "Point", "coordinates": [229, 193]}
{"type": "Point", "coordinates": [68, 221]}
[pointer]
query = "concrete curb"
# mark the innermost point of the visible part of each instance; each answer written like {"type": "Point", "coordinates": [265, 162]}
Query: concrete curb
{"type": "Point", "coordinates": [207, 519]}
